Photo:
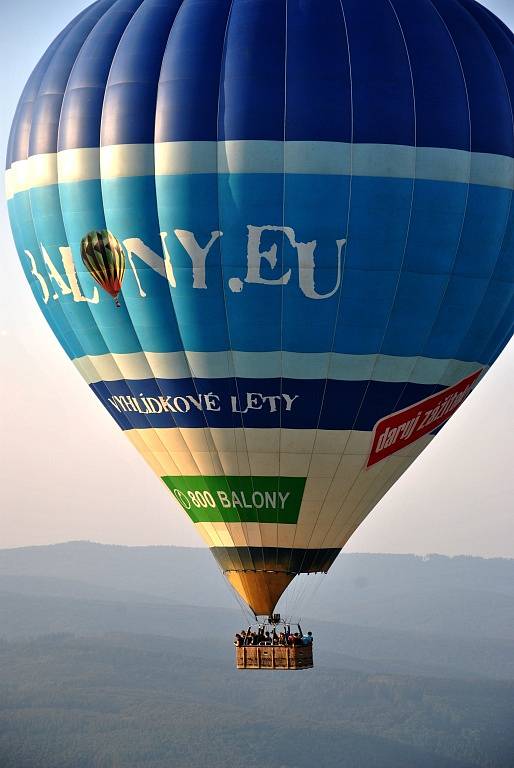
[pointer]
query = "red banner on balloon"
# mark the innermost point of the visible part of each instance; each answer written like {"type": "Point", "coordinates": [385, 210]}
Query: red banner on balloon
{"type": "Point", "coordinates": [396, 431]}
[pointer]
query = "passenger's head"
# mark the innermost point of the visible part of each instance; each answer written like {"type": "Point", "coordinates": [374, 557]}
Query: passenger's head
{"type": "Point", "coordinates": [310, 634]}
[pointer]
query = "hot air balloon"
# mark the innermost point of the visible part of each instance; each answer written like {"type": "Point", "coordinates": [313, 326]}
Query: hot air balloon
{"type": "Point", "coordinates": [314, 200]}
{"type": "Point", "coordinates": [102, 254]}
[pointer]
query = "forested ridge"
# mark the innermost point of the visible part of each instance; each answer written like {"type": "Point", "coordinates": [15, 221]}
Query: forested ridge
{"type": "Point", "coordinates": [103, 665]}
{"type": "Point", "coordinates": [131, 701]}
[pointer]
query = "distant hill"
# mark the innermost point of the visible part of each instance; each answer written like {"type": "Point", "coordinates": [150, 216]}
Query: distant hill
{"type": "Point", "coordinates": [118, 657]}
{"type": "Point", "coordinates": [133, 701]}
{"type": "Point", "coordinates": [341, 645]}
{"type": "Point", "coordinates": [381, 612]}
{"type": "Point", "coordinates": [465, 596]}
{"type": "Point", "coordinates": [181, 575]}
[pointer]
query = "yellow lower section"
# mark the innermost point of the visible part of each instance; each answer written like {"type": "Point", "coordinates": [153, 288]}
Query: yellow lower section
{"type": "Point", "coordinates": [261, 590]}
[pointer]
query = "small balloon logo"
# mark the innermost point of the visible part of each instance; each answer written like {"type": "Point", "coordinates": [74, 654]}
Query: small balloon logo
{"type": "Point", "coordinates": [104, 258]}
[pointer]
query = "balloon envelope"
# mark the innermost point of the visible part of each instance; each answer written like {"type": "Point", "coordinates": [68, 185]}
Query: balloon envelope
{"type": "Point", "coordinates": [104, 258]}
{"type": "Point", "coordinates": [314, 204]}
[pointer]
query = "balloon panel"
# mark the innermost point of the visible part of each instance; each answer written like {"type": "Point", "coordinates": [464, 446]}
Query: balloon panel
{"type": "Point", "coordinates": [315, 247]}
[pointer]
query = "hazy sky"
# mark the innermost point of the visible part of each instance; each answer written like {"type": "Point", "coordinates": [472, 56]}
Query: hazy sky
{"type": "Point", "coordinates": [59, 446]}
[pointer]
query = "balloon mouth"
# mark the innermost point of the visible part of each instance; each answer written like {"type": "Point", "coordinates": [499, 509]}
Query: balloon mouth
{"type": "Point", "coordinates": [261, 590]}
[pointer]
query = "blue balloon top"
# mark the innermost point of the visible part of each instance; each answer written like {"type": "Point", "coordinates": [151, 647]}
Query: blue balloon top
{"type": "Point", "coordinates": [425, 73]}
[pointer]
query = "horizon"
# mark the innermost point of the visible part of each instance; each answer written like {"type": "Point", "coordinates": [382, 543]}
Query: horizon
{"type": "Point", "coordinates": [426, 556]}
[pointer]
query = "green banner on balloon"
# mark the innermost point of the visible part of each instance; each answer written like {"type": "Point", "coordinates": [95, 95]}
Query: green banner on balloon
{"type": "Point", "coordinates": [217, 498]}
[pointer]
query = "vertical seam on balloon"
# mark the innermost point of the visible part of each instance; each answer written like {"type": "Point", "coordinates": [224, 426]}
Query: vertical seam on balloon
{"type": "Point", "coordinates": [336, 316]}
{"type": "Point", "coordinates": [281, 323]}
{"type": "Point", "coordinates": [244, 525]}
{"type": "Point", "coordinates": [231, 351]}
{"type": "Point", "coordinates": [508, 217]}
{"type": "Point", "coordinates": [343, 451]}
{"type": "Point", "coordinates": [58, 322]}
{"type": "Point", "coordinates": [69, 331]}
{"type": "Point", "coordinates": [470, 166]}
{"type": "Point", "coordinates": [92, 312]}
{"type": "Point", "coordinates": [58, 318]}
{"type": "Point", "coordinates": [451, 273]}
{"type": "Point", "coordinates": [400, 271]}
{"type": "Point", "coordinates": [394, 298]}
{"type": "Point", "coordinates": [152, 431]}
{"type": "Point", "coordinates": [33, 85]}
{"type": "Point", "coordinates": [494, 20]}
{"type": "Point", "coordinates": [352, 517]}
{"type": "Point", "coordinates": [461, 230]}
{"type": "Point", "coordinates": [63, 308]}
{"type": "Point", "coordinates": [193, 379]}
{"type": "Point", "coordinates": [171, 305]}
{"type": "Point", "coordinates": [375, 496]}
{"type": "Point", "coordinates": [172, 313]}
